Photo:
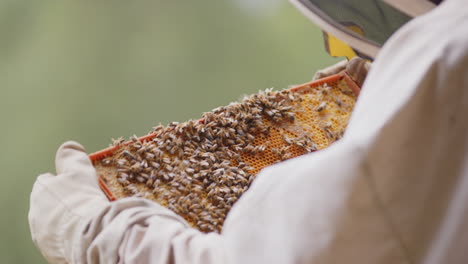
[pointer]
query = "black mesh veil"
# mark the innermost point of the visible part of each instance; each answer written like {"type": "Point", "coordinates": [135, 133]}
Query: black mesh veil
{"type": "Point", "coordinates": [377, 20]}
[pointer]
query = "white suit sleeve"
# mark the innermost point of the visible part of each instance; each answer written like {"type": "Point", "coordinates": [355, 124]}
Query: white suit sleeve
{"type": "Point", "coordinates": [135, 230]}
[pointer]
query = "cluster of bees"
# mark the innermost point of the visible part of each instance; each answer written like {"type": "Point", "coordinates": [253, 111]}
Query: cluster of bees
{"type": "Point", "coordinates": [198, 168]}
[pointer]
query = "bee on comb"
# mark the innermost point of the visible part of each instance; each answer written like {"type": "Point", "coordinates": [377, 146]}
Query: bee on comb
{"type": "Point", "coordinates": [200, 168]}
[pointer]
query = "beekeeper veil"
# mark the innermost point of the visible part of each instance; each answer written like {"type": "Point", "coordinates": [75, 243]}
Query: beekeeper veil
{"type": "Point", "coordinates": [361, 27]}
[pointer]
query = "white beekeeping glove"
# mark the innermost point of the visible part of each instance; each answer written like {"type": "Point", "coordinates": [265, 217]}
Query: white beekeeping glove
{"type": "Point", "coordinates": [61, 204]}
{"type": "Point", "coordinates": [330, 70]}
{"type": "Point", "coordinates": [357, 68]}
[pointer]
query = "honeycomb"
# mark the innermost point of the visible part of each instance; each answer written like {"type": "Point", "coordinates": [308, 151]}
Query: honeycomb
{"type": "Point", "coordinates": [339, 102]}
{"type": "Point", "coordinates": [200, 174]}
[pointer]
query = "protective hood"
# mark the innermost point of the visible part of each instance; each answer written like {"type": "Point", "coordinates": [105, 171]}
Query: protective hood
{"type": "Point", "coordinates": [364, 25]}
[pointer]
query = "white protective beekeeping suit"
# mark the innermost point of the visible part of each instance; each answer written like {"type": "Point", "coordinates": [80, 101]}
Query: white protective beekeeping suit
{"type": "Point", "coordinates": [394, 189]}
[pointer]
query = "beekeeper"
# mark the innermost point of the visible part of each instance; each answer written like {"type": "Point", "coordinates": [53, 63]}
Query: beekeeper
{"type": "Point", "coordinates": [394, 189]}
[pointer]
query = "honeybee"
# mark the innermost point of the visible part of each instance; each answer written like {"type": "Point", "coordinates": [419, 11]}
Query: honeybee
{"type": "Point", "coordinates": [321, 107]}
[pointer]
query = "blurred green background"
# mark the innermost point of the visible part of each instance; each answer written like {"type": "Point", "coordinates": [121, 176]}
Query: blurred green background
{"type": "Point", "coordinates": [95, 70]}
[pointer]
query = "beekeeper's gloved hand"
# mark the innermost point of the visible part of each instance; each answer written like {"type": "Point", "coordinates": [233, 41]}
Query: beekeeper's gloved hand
{"type": "Point", "coordinates": [61, 204]}
{"type": "Point", "coordinates": [356, 68]}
